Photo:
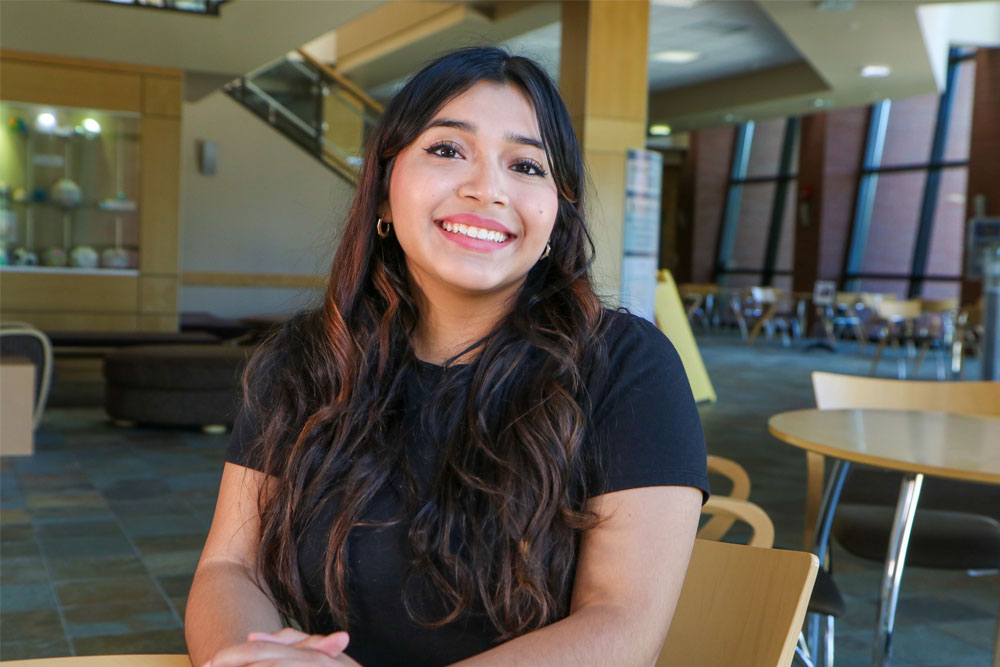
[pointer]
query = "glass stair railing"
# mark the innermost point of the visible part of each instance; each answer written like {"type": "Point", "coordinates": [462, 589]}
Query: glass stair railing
{"type": "Point", "coordinates": [207, 7]}
{"type": "Point", "coordinates": [313, 105]}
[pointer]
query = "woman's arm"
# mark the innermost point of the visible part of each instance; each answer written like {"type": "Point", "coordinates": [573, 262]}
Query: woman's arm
{"type": "Point", "coordinates": [629, 575]}
{"type": "Point", "coordinates": [225, 604]}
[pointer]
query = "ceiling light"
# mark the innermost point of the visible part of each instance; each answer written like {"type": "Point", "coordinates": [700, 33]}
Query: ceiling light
{"type": "Point", "coordinates": [875, 71]}
{"type": "Point", "coordinates": [92, 126]}
{"type": "Point", "coordinates": [676, 57]}
{"type": "Point", "coordinates": [730, 118]}
{"type": "Point", "coordinates": [45, 121]}
{"type": "Point", "coordinates": [659, 130]}
{"type": "Point", "coordinates": [819, 103]}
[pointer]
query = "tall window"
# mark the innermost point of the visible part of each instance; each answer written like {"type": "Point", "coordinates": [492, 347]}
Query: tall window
{"type": "Point", "coordinates": [756, 240]}
{"type": "Point", "coordinates": [910, 209]}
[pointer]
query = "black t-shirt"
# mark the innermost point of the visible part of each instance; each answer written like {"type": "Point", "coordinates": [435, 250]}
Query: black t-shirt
{"type": "Point", "coordinates": [644, 423]}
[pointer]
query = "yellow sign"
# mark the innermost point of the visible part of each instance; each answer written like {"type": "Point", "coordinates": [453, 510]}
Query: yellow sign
{"type": "Point", "coordinates": [673, 321]}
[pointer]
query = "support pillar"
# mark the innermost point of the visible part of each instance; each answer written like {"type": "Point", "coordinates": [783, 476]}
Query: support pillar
{"type": "Point", "coordinates": [603, 80]}
{"type": "Point", "coordinates": [984, 156]}
{"type": "Point", "coordinates": [809, 203]}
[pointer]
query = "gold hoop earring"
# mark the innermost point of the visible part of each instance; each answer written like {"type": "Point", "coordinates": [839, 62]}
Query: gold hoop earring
{"type": "Point", "coordinates": [548, 249]}
{"type": "Point", "coordinates": [382, 231]}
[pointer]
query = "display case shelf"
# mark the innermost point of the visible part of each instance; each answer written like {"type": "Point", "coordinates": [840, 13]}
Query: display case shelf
{"type": "Point", "coordinates": [69, 180]}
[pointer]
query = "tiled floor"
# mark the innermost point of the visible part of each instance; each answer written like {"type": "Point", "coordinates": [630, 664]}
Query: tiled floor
{"type": "Point", "coordinates": [100, 530]}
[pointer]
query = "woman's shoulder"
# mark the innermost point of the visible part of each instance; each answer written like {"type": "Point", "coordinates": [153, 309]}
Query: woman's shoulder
{"type": "Point", "coordinates": [624, 335]}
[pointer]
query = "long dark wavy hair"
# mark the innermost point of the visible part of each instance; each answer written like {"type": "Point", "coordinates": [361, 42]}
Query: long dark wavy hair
{"type": "Point", "coordinates": [498, 530]}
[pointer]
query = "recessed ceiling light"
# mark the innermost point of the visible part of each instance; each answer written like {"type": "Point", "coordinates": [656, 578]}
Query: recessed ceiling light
{"type": "Point", "coordinates": [659, 130]}
{"type": "Point", "coordinates": [92, 126]}
{"type": "Point", "coordinates": [676, 57]}
{"type": "Point", "coordinates": [876, 71]}
{"type": "Point", "coordinates": [730, 117]}
{"type": "Point", "coordinates": [819, 103]}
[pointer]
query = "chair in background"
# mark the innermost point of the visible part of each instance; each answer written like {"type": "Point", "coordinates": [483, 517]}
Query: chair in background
{"type": "Point", "coordinates": [699, 302]}
{"type": "Point", "coordinates": [957, 524]}
{"type": "Point", "coordinates": [896, 327]}
{"type": "Point", "coordinates": [935, 329]}
{"type": "Point", "coordinates": [19, 339]}
{"type": "Point", "coordinates": [969, 331]}
{"type": "Point", "coordinates": [766, 309]}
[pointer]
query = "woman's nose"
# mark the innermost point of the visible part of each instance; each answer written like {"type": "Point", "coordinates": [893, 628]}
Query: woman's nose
{"type": "Point", "coordinates": [485, 184]}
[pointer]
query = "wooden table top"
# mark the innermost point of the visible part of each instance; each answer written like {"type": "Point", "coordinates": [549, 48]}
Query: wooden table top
{"type": "Point", "coordinates": [105, 661]}
{"type": "Point", "coordinates": [921, 441]}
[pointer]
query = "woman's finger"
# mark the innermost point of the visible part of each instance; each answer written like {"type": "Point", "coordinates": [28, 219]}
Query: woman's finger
{"type": "Point", "coordinates": [250, 653]}
{"type": "Point", "coordinates": [283, 636]}
{"type": "Point", "coordinates": [332, 645]}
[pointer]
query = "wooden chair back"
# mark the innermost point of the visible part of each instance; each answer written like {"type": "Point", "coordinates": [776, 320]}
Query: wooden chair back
{"type": "Point", "coordinates": [727, 510]}
{"type": "Point", "coordinates": [740, 605]}
{"type": "Point", "coordinates": [835, 391]}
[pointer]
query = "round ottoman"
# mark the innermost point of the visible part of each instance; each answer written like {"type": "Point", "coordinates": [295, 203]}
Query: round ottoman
{"type": "Point", "coordinates": [175, 385]}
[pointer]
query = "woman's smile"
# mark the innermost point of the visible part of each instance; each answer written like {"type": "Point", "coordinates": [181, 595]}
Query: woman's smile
{"type": "Point", "coordinates": [476, 232]}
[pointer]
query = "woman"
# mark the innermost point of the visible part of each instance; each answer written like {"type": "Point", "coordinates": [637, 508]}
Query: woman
{"type": "Point", "coordinates": [461, 457]}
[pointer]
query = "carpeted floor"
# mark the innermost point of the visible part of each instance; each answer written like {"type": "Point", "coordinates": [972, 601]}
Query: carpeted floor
{"type": "Point", "coordinates": [101, 529]}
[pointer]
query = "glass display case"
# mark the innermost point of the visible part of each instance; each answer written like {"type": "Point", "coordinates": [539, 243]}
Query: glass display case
{"type": "Point", "coordinates": [69, 189]}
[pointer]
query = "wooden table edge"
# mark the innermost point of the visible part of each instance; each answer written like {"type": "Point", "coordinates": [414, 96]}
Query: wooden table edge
{"type": "Point", "coordinates": [879, 461]}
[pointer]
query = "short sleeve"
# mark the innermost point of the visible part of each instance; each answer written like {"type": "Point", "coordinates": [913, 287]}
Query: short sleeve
{"type": "Point", "coordinates": [241, 441]}
{"type": "Point", "coordinates": [645, 424]}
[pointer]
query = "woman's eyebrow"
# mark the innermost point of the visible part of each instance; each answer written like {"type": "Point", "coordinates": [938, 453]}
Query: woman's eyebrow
{"type": "Point", "coordinates": [466, 126]}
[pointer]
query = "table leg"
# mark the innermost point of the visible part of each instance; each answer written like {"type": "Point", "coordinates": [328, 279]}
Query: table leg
{"type": "Point", "coordinates": [906, 508]}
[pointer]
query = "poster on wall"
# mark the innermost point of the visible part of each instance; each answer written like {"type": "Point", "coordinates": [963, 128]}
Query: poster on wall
{"type": "Point", "coordinates": [643, 186]}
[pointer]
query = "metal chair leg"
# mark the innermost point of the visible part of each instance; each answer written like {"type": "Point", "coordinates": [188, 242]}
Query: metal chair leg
{"type": "Point", "coordinates": [802, 652]}
{"type": "Point", "coordinates": [828, 656]}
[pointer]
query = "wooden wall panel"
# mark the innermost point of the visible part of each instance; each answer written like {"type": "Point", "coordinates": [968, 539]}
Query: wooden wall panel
{"type": "Point", "coordinates": [160, 187]}
{"type": "Point", "coordinates": [161, 95]}
{"type": "Point", "coordinates": [41, 291]}
{"type": "Point", "coordinates": [160, 322]}
{"type": "Point", "coordinates": [158, 294]}
{"type": "Point", "coordinates": [42, 83]}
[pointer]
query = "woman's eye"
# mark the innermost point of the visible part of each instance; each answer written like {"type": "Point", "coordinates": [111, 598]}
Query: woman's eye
{"type": "Point", "coordinates": [529, 168]}
{"type": "Point", "coordinates": [443, 150]}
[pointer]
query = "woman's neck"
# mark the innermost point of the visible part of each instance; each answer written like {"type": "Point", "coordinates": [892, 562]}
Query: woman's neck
{"type": "Point", "coordinates": [449, 323]}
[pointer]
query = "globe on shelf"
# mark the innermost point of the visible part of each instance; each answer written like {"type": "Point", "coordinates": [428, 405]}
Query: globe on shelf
{"type": "Point", "coordinates": [54, 257]}
{"type": "Point", "coordinates": [25, 257]}
{"type": "Point", "coordinates": [114, 258]}
{"type": "Point", "coordinates": [83, 257]}
{"type": "Point", "coordinates": [65, 193]}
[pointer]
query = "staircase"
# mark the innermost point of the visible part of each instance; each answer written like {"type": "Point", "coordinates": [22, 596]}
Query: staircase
{"type": "Point", "coordinates": [313, 105]}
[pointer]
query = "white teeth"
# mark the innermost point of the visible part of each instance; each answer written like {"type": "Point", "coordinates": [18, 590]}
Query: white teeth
{"type": "Point", "coordinates": [474, 232]}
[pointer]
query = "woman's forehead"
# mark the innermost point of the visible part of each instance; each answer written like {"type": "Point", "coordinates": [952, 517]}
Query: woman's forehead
{"type": "Point", "coordinates": [490, 106]}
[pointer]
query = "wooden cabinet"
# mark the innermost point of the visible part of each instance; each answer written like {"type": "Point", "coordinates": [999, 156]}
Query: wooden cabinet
{"type": "Point", "coordinates": [140, 295]}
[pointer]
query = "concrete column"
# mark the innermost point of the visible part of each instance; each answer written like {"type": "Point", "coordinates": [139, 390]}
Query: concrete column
{"type": "Point", "coordinates": [604, 82]}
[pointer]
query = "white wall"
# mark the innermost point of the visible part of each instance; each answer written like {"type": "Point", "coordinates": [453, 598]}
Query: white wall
{"type": "Point", "coordinates": [269, 208]}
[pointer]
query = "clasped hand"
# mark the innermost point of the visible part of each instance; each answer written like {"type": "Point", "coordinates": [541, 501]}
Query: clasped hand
{"type": "Point", "coordinates": [288, 648]}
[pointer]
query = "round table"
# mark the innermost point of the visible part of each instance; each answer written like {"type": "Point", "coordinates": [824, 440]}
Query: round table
{"type": "Point", "coordinates": [915, 442]}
